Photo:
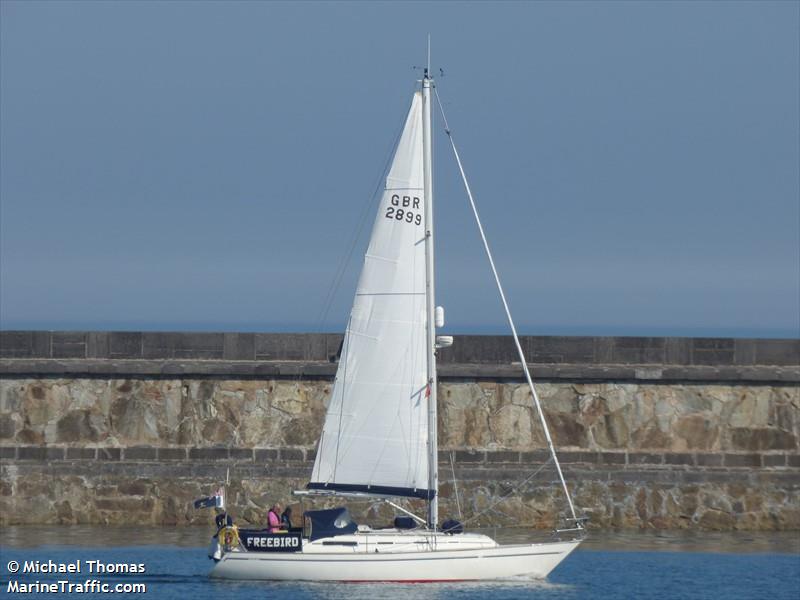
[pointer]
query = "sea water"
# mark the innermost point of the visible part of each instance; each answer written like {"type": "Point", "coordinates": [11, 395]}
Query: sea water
{"type": "Point", "coordinates": [172, 564]}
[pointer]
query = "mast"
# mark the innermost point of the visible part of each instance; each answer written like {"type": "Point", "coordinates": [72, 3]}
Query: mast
{"type": "Point", "coordinates": [427, 150]}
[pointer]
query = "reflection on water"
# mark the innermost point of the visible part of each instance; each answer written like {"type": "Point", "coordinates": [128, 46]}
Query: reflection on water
{"type": "Point", "coordinates": [506, 589]}
{"type": "Point", "coordinates": [669, 541]}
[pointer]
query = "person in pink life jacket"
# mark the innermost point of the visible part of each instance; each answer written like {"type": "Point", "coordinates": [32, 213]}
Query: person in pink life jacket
{"type": "Point", "coordinates": [274, 518]}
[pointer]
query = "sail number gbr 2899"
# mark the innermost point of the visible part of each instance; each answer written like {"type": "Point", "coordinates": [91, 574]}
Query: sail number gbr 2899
{"type": "Point", "coordinates": [404, 208]}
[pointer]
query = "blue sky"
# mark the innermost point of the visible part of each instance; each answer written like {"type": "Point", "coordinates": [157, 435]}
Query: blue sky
{"type": "Point", "coordinates": [204, 166]}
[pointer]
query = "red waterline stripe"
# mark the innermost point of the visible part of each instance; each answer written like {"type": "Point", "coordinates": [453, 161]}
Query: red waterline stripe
{"type": "Point", "coordinates": [407, 580]}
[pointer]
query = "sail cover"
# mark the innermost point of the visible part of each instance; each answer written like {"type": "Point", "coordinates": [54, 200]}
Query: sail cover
{"type": "Point", "coordinates": [376, 429]}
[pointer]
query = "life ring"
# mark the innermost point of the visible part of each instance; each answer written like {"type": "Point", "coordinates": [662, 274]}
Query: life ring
{"type": "Point", "coordinates": [230, 536]}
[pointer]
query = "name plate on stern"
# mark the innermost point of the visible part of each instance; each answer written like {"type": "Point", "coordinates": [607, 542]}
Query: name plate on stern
{"type": "Point", "coordinates": [264, 541]}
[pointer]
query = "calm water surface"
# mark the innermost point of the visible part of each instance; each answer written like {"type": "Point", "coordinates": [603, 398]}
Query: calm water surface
{"type": "Point", "coordinates": [607, 566]}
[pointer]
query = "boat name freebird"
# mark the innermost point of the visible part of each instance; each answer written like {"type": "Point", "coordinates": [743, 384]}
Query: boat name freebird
{"type": "Point", "coordinates": [276, 542]}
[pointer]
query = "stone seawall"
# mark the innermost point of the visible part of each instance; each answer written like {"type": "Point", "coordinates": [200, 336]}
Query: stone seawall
{"type": "Point", "coordinates": [105, 427]}
{"type": "Point", "coordinates": [156, 486]}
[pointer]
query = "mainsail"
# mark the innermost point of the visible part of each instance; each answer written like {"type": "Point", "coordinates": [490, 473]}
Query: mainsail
{"type": "Point", "coordinates": [376, 429]}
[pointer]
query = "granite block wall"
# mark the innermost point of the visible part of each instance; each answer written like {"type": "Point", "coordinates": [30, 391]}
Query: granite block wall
{"type": "Point", "coordinates": [127, 427]}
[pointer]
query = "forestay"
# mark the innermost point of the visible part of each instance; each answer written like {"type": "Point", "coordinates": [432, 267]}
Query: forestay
{"type": "Point", "coordinates": [376, 429]}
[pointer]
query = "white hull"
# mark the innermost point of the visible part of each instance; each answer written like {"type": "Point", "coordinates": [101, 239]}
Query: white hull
{"type": "Point", "coordinates": [467, 557]}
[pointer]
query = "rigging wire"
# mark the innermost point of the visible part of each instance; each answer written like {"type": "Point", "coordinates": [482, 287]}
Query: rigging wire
{"type": "Point", "coordinates": [513, 490]}
{"type": "Point", "coordinates": [508, 311]}
{"type": "Point", "coordinates": [455, 482]}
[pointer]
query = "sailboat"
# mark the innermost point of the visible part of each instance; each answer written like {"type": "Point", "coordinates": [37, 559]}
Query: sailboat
{"type": "Point", "coordinates": [379, 436]}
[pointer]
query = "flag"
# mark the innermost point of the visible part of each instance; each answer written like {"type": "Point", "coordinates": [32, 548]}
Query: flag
{"type": "Point", "coordinates": [217, 500]}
